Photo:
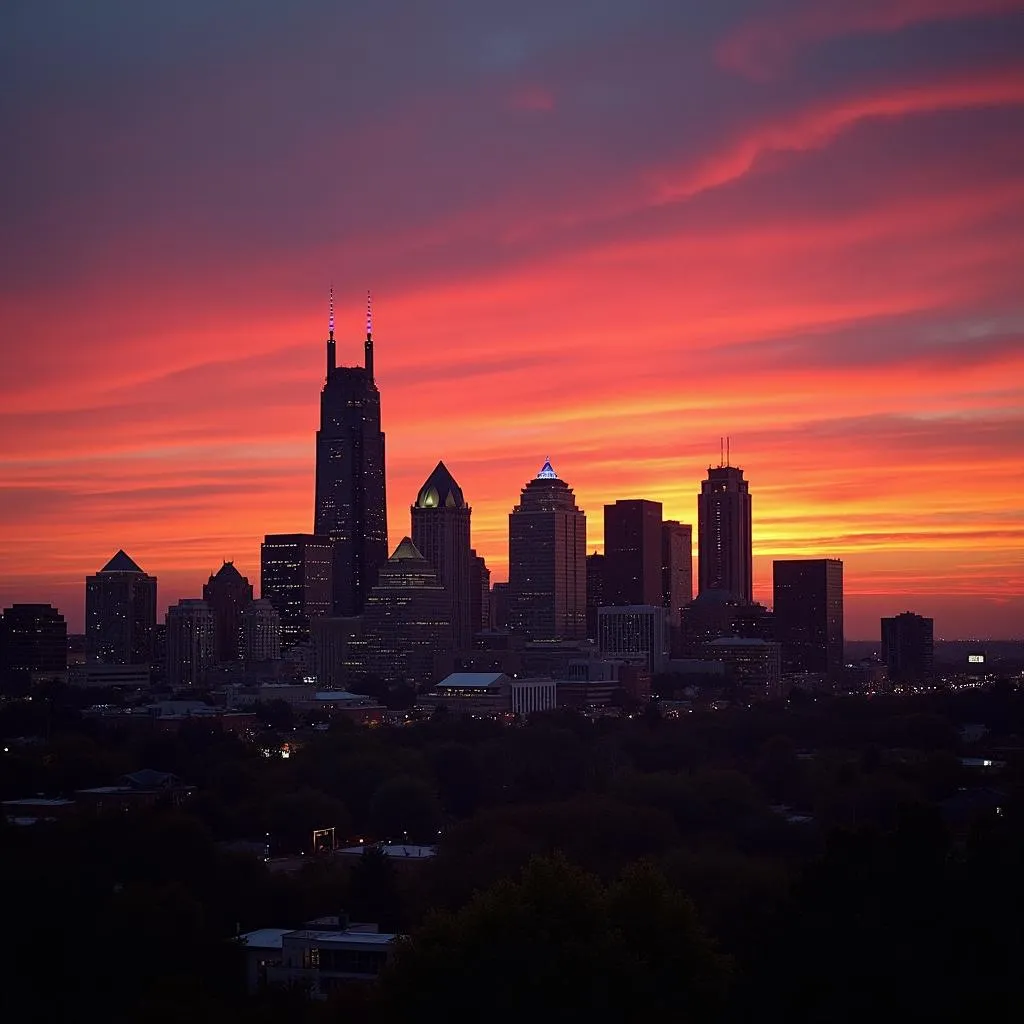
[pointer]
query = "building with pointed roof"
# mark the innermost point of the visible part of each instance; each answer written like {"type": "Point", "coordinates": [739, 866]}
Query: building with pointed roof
{"type": "Point", "coordinates": [350, 503]}
{"type": "Point", "coordinates": [227, 592]}
{"type": "Point", "coordinates": [406, 619]}
{"type": "Point", "coordinates": [441, 532]}
{"type": "Point", "coordinates": [547, 549]}
{"type": "Point", "coordinates": [120, 614]}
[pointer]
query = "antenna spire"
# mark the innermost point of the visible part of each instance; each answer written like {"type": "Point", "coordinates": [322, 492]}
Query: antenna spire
{"type": "Point", "coordinates": [331, 351]}
{"type": "Point", "coordinates": [330, 315]}
{"type": "Point", "coordinates": [369, 335]}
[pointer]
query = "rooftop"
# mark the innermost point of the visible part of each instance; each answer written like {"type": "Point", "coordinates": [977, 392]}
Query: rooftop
{"type": "Point", "coordinates": [120, 563]}
{"type": "Point", "coordinates": [466, 680]}
{"type": "Point", "coordinates": [440, 490]}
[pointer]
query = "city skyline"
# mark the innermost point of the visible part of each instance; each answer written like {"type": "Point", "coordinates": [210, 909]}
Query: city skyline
{"type": "Point", "coordinates": [572, 256]}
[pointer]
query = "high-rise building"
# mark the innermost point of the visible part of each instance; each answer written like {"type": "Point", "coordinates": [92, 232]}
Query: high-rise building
{"type": "Point", "coordinates": [227, 593]}
{"type": "Point", "coordinates": [120, 614]}
{"type": "Point", "coordinates": [547, 553]}
{"type": "Point", "coordinates": [634, 633]}
{"type": "Point", "coordinates": [676, 568]}
{"type": "Point", "coordinates": [724, 543]}
{"type": "Point", "coordinates": [261, 632]}
{"type": "Point", "coordinates": [908, 647]}
{"type": "Point", "coordinates": [295, 577]}
{"type": "Point", "coordinates": [808, 611]}
{"type": "Point", "coordinates": [190, 642]}
{"type": "Point", "coordinates": [351, 507]}
{"type": "Point", "coordinates": [406, 621]}
{"type": "Point", "coordinates": [479, 593]}
{"type": "Point", "coordinates": [595, 592]}
{"type": "Point", "coordinates": [337, 650]}
{"type": "Point", "coordinates": [33, 646]}
{"type": "Point", "coordinates": [440, 531]}
{"type": "Point", "coordinates": [632, 552]}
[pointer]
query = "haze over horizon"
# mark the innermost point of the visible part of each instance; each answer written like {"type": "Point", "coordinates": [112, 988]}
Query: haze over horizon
{"type": "Point", "coordinates": [603, 232]}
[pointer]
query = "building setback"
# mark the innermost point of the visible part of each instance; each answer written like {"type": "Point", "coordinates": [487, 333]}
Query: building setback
{"type": "Point", "coordinates": [632, 552]}
{"type": "Point", "coordinates": [350, 503]}
{"type": "Point", "coordinates": [440, 531]}
{"type": "Point", "coordinates": [808, 613]}
{"type": "Point", "coordinates": [295, 577]}
{"type": "Point", "coordinates": [120, 614]}
{"type": "Point", "coordinates": [547, 540]}
{"type": "Point", "coordinates": [724, 540]}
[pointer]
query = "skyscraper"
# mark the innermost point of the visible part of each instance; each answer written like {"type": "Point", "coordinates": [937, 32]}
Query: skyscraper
{"type": "Point", "coordinates": [547, 550]}
{"type": "Point", "coordinates": [440, 531]}
{"type": "Point", "coordinates": [261, 632]}
{"type": "Point", "coordinates": [724, 545]}
{"type": "Point", "coordinates": [632, 552]}
{"type": "Point", "coordinates": [407, 618]}
{"type": "Point", "coordinates": [120, 614]}
{"type": "Point", "coordinates": [595, 592]}
{"type": "Point", "coordinates": [351, 507]}
{"type": "Point", "coordinates": [676, 568]}
{"type": "Point", "coordinates": [908, 647]}
{"type": "Point", "coordinates": [227, 593]}
{"type": "Point", "coordinates": [808, 609]}
{"type": "Point", "coordinates": [295, 577]}
{"type": "Point", "coordinates": [479, 593]}
{"type": "Point", "coordinates": [190, 642]}
{"type": "Point", "coordinates": [33, 646]}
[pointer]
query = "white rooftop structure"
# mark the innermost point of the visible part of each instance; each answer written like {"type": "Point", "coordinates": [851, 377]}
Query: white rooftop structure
{"type": "Point", "coordinates": [469, 680]}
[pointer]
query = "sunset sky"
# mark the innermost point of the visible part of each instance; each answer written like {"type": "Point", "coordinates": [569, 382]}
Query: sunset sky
{"type": "Point", "coordinates": [604, 231]}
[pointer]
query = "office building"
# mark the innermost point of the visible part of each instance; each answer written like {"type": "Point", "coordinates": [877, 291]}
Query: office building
{"type": "Point", "coordinates": [440, 531]}
{"type": "Point", "coordinates": [634, 633]}
{"type": "Point", "coordinates": [337, 650]}
{"type": "Point", "coordinates": [632, 552]}
{"type": "Point", "coordinates": [908, 647]}
{"type": "Point", "coordinates": [479, 594]}
{"type": "Point", "coordinates": [808, 611]}
{"type": "Point", "coordinates": [547, 561]}
{"type": "Point", "coordinates": [33, 647]}
{"type": "Point", "coordinates": [724, 544]}
{"type": "Point", "coordinates": [407, 618]}
{"type": "Point", "coordinates": [595, 593]}
{"type": "Point", "coordinates": [351, 506]}
{"type": "Point", "coordinates": [227, 593]}
{"type": "Point", "coordinates": [295, 577]}
{"type": "Point", "coordinates": [120, 614]}
{"type": "Point", "coordinates": [676, 568]}
{"type": "Point", "coordinates": [191, 631]}
{"type": "Point", "coordinates": [260, 632]}
{"type": "Point", "coordinates": [752, 663]}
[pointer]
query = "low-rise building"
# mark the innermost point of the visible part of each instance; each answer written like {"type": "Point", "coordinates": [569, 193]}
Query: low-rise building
{"type": "Point", "coordinates": [492, 693]}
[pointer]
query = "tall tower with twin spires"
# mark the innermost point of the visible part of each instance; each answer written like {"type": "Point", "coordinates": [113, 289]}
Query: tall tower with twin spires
{"type": "Point", "coordinates": [351, 505]}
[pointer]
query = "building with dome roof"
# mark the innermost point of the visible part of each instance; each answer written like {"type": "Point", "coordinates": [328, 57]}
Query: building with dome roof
{"type": "Point", "coordinates": [547, 550]}
{"type": "Point", "coordinates": [440, 531]}
{"type": "Point", "coordinates": [406, 618]}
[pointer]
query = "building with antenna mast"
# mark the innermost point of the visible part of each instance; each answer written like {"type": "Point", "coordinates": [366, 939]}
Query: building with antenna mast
{"type": "Point", "coordinates": [350, 501]}
{"type": "Point", "coordinates": [724, 531]}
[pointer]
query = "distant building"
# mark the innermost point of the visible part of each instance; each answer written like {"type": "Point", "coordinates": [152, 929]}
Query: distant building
{"type": "Point", "coordinates": [724, 539]}
{"type": "Point", "coordinates": [499, 607]}
{"type": "Point", "coordinates": [33, 646]}
{"type": "Point", "coordinates": [492, 693]}
{"type": "Point", "coordinates": [632, 553]}
{"type": "Point", "coordinates": [440, 531]}
{"type": "Point", "coordinates": [754, 664]}
{"type": "Point", "coordinates": [227, 593]}
{"type": "Point", "coordinates": [676, 568]}
{"type": "Point", "coordinates": [595, 592]}
{"type": "Point", "coordinates": [260, 632]}
{"type": "Point", "coordinates": [350, 503]}
{"type": "Point", "coordinates": [479, 594]}
{"type": "Point", "coordinates": [808, 611]}
{"type": "Point", "coordinates": [295, 577]}
{"type": "Point", "coordinates": [337, 650]}
{"type": "Point", "coordinates": [634, 633]}
{"type": "Point", "coordinates": [406, 621]}
{"type": "Point", "coordinates": [908, 647]}
{"type": "Point", "coordinates": [547, 561]}
{"type": "Point", "coordinates": [191, 629]}
{"type": "Point", "coordinates": [120, 614]}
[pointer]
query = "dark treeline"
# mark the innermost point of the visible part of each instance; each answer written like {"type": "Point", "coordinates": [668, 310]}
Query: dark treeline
{"type": "Point", "coordinates": [827, 860]}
